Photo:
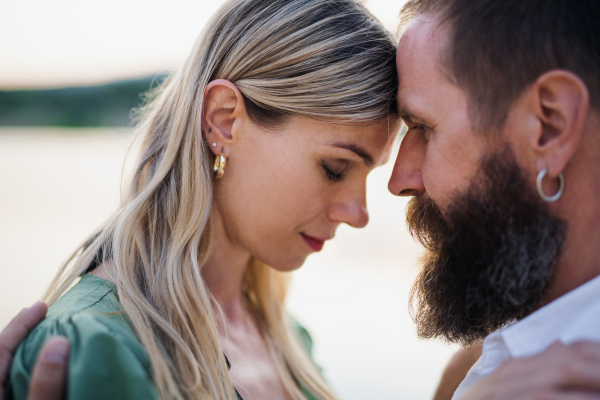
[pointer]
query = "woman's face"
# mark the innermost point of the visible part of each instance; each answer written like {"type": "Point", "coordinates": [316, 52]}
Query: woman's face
{"type": "Point", "coordinates": [286, 190]}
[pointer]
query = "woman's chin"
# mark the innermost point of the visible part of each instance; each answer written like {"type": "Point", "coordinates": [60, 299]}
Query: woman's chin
{"type": "Point", "coordinates": [287, 264]}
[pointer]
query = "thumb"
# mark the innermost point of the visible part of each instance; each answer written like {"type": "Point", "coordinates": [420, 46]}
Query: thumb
{"type": "Point", "coordinates": [49, 379]}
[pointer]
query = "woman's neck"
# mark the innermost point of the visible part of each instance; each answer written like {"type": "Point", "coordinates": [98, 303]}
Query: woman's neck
{"type": "Point", "coordinates": [224, 274]}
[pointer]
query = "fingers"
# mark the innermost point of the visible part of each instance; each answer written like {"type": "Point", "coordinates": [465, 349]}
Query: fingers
{"type": "Point", "coordinates": [15, 332]}
{"type": "Point", "coordinates": [556, 344]}
{"type": "Point", "coordinates": [582, 369]}
{"type": "Point", "coordinates": [559, 373]}
{"type": "Point", "coordinates": [49, 376]}
{"type": "Point", "coordinates": [573, 368]}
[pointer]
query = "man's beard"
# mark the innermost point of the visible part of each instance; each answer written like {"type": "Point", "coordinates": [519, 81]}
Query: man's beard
{"type": "Point", "coordinates": [489, 257]}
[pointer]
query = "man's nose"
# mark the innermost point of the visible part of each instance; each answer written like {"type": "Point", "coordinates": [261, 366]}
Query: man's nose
{"type": "Point", "coordinates": [351, 208]}
{"type": "Point", "coordinates": [406, 177]}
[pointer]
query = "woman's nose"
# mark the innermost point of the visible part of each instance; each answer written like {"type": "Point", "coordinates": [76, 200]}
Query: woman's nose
{"type": "Point", "coordinates": [406, 177]}
{"type": "Point", "coordinates": [351, 209]}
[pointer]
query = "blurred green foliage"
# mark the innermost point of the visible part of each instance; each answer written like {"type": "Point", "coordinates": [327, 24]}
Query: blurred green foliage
{"type": "Point", "coordinates": [89, 106]}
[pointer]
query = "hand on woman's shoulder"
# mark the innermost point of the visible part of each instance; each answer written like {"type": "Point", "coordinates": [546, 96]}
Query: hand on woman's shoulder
{"type": "Point", "coordinates": [106, 359]}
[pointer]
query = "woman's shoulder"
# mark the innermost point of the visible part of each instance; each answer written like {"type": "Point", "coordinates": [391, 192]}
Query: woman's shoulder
{"type": "Point", "coordinates": [87, 312]}
{"type": "Point", "coordinates": [302, 334]}
{"type": "Point", "coordinates": [106, 358]}
{"type": "Point", "coordinates": [306, 341]}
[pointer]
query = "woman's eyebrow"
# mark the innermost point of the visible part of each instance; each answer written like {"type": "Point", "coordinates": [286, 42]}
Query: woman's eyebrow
{"type": "Point", "coordinates": [361, 152]}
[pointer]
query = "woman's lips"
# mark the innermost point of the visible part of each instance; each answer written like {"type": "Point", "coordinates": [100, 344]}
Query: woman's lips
{"type": "Point", "coordinates": [312, 242]}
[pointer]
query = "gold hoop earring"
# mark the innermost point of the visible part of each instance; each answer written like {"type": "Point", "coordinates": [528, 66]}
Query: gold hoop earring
{"type": "Point", "coordinates": [219, 165]}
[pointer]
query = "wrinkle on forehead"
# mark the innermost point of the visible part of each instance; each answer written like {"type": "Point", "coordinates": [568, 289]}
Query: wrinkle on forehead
{"type": "Point", "coordinates": [423, 37]}
{"type": "Point", "coordinates": [420, 73]}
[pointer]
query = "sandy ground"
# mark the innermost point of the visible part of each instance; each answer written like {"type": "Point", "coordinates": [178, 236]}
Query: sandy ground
{"type": "Point", "coordinates": [58, 185]}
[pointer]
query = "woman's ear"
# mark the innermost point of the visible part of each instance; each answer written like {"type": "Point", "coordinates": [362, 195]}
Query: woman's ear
{"type": "Point", "coordinates": [560, 101]}
{"type": "Point", "coordinates": [223, 106]}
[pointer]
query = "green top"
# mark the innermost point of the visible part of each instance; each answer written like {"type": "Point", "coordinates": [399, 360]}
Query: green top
{"type": "Point", "coordinates": [107, 361]}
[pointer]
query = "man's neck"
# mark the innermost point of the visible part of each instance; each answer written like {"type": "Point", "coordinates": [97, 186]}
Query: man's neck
{"type": "Point", "coordinates": [580, 209]}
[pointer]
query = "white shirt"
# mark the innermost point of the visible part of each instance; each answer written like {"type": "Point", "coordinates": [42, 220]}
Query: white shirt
{"type": "Point", "coordinates": [572, 317]}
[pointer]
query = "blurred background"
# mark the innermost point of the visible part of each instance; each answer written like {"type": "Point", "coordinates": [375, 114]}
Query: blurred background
{"type": "Point", "coordinates": [70, 72]}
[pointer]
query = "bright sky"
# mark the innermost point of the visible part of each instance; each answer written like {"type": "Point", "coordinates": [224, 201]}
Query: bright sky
{"type": "Point", "coordinates": [48, 43]}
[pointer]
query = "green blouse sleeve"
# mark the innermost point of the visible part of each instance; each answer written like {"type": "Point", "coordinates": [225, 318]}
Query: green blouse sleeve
{"type": "Point", "coordinates": [102, 365]}
{"type": "Point", "coordinates": [307, 342]}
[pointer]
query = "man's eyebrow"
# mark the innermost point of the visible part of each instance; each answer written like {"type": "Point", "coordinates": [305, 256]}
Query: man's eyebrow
{"type": "Point", "coordinates": [362, 153]}
{"type": "Point", "coordinates": [407, 115]}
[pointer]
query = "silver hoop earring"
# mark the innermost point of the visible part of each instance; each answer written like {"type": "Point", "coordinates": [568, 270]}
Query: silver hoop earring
{"type": "Point", "coordinates": [544, 196]}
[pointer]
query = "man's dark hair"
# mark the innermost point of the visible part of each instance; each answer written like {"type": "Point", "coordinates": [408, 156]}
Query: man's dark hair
{"type": "Point", "coordinates": [497, 48]}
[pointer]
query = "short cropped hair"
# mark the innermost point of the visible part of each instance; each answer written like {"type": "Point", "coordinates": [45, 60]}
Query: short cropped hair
{"type": "Point", "coordinates": [497, 48]}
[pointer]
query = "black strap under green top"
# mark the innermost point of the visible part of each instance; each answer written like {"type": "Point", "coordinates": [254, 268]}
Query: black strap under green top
{"type": "Point", "coordinates": [106, 361]}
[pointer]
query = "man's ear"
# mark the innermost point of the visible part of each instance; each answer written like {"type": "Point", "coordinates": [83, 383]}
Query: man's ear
{"type": "Point", "coordinates": [223, 106]}
{"type": "Point", "coordinates": [560, 103]}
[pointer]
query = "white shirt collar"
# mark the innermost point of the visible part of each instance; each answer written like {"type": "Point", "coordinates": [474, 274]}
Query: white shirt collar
{"type": "Point", "coordinates": [555, 321]}
{"type": "Point", "coordinates": [572, 317]}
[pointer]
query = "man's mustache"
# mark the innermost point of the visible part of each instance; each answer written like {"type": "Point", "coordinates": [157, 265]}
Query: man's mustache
{"type": "Point", "coordinates": [425, 221]}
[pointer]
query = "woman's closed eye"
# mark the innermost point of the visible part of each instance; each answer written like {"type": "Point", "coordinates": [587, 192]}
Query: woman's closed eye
{"type": "Point", "coordinates": [334, 169]}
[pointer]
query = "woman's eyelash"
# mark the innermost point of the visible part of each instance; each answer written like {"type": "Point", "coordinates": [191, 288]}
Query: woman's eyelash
{"type": "Point", "coordinates": [330, 174]}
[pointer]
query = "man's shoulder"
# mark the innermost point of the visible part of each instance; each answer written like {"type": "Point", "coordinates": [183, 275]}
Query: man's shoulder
{"type": "Point", "coordinates": [586, 326]}
{"type": "Point", "coordinates": [577, 313]}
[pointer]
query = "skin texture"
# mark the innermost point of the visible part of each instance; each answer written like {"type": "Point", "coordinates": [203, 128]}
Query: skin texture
{"type": "Point", "coordinates": [551, 125]}
{"type": "Point", "coordinates": [428, 102]}
{"type": "Point", "coordinates": [50, 373]}
{"type": "Point", "coordinates": [456, 370]}
{"type": "Point", "coordinates": [279, 172]}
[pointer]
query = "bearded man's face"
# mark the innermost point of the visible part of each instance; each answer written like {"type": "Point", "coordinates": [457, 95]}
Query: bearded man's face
{"type": "Point", "coordinates": [489, 255]}
{"type": "Point", "coordinates": [491, 243]}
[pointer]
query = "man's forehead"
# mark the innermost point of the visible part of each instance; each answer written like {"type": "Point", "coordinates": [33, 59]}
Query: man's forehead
{"type": "Point", "coordinates": [419, 55]}
{"type": "Point", "coordinates": [421, 32]}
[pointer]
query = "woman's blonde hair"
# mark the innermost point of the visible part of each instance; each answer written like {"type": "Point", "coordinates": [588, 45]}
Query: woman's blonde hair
{"type": "Point", "coordinates": [325, 59]}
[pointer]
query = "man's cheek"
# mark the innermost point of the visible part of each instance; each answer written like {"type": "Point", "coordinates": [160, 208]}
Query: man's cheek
{"type": "Point", "coordinates": [450, 169]}
{"type": "Point", "coordinates": [439, 178]}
